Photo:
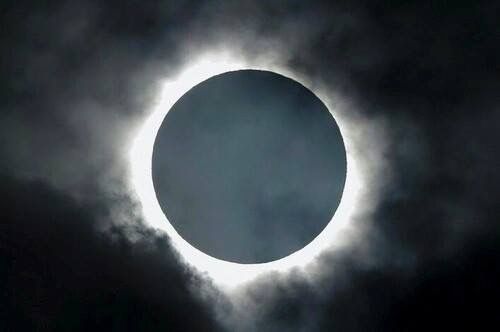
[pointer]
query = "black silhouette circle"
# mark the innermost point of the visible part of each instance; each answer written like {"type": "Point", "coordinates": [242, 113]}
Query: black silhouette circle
{"type": "Point", "coordinates": [249, 166]}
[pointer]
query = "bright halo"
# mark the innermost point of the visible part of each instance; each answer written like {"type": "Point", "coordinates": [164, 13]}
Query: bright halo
{"type": "Point", "coordinates": [224, 273]}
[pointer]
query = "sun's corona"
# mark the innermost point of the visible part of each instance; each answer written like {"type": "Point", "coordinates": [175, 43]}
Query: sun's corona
{"type": "Point", "coordinates": [224, 273]}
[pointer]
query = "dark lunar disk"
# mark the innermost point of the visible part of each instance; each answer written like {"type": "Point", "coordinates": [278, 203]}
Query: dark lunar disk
{"type": "Point", "coordinates": [249, 166]}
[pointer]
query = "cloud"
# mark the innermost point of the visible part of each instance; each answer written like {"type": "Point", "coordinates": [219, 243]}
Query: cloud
{"type": "Point", "coordinates": [77, 79]}
{"type": "Point", "coordinates": [60, 273]}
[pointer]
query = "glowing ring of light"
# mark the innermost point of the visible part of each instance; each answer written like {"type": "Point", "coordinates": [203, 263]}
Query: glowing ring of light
{"type": "Point", "coordinates": [222, 272]}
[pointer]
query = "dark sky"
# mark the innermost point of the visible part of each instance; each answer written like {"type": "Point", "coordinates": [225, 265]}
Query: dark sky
{"type": "Point", "coordinates": [249, 166]}
{"type": "Point", "coordinates": [421, 79]}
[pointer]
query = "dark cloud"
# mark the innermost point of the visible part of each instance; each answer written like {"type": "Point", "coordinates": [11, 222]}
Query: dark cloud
{"type": "Point", "coordinates": [59, 273]}
{"type": "Point", "coordinates": [77, 77]}
{"type": "Point", "coordinates": [454, 293]}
